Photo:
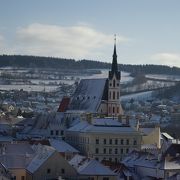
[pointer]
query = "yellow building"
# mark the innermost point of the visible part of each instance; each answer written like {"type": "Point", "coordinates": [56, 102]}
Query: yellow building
{"type": "Point", "coordinates": [104, 139]}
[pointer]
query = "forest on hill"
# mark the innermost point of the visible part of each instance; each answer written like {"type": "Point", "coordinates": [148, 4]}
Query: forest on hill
{"type": "Point", "coordinates": [62, 63]}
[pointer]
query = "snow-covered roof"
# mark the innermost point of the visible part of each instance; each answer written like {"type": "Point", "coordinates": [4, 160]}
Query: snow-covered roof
{"type": "Point", "coordinates": [86, 127]}
{"type": "Point", "coordinates": [25, 156]}
{"type": "Point", "coordinates": [106, 121]}
{"type": "Point", "coordinates": [146, 130]}
{"type": "Point", "coordinates": [62, 146]}
{"type": "Point", "coordinates": [87, 166]}
{"type": "Point", "coordinates": [88, 95]}
{"type": "Point", "coordinates": [167, 136]}
{"type": "Point", "coordinates": [40, 157]}
{"type": "Point", "coordinates": [41, 124]}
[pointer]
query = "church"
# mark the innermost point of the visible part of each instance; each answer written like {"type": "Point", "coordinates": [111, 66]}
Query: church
{"type": "Point", "coordinates": [98, 96]}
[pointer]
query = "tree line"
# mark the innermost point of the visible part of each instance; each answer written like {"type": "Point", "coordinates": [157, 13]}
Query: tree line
{"type": "Point", "coordinates": [63, 63]}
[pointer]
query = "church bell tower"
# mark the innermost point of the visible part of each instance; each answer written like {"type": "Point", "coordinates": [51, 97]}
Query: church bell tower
{"type": "Point", "coordinates": [114, 105]}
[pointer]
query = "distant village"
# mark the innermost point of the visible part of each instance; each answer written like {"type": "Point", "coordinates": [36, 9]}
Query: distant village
{"type": "Point", "coordinates": [89, 129]}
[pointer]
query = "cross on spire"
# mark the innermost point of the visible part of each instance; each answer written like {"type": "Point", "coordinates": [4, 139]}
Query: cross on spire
{"type": "Point", "coordinates": [114, 39]}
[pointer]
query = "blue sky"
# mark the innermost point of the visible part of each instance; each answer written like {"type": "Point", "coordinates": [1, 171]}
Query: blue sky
{"type": "Point", "coordinates": [148, 32]}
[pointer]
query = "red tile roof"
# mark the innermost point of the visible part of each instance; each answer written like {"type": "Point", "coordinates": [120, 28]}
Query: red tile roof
{"type": "Point", "coordinates": [64, 104]}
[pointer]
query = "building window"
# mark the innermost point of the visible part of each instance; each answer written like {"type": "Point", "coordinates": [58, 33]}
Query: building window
{"type": "Point", "coordinates": [97, 141]}
{"type": "Point", "coordinates": [127, 150]}
{"type": "Point", "coordinates": [117, 95]}
{"type": "Point", "coordinates": [48, 171]}
{"type": "Point", "coordinates": [116, 160]}
{"type": "Point", "coordinates": [110, 84]}
{"type": "Point", "coordinates": [22, 177]}
{"type": "Point", "coordinates": [105, 178]}
{"type": "Point", "coordinates": [110, 95]}
{"type": "Point", "coordinates": [117, 84]}
{"type": "Point", "coordinates": [121, 151]}
{"type": "Point", "coordinates": [135, 142]}
{"type": "Point", "coordinates": [52, 132]}
{"type": "Point", "coordinates": [122, 141]}
{"type": "Point", "coordinates": [110, 151]}
{"type": "Point", "coordinates": [117, 109]}
{"type": "Point", "coordinates": [62, 132]}
{"type": "Point", "coordinates": [57, 132]}
{"type": "Point", "coordinates": [62, 171]}
{"type": "Point", "coordinates": [110, 159]}
{"type": "Point", "coordinates": [104, 151]}
{"type": "Point", "coordinates": [116, 151]}
{"type": "Point", "coordinates": [114, 83]}
{"type": "Point", "coordinates": [113, 94]}
{"type": "Point", "coordinates": [127, 141]}
{"type": "Point", "coordinates": [109, 109]}
{"type": "Point", "coordinates": [104, 141]}
{"type": "Point", "coordinates": [110, 141]}
{"type": "Point", "coordinates": [97, 150]}
{"type": "Point", "coordinates": [113, 110]}
{"type": "Point", "coordinates": [116, 141]}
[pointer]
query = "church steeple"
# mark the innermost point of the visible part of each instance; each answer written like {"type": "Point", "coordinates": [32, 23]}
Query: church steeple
{"type": "Point", "coordinates": [114, 66]}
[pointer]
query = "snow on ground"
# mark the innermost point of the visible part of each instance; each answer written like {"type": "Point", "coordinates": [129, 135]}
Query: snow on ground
{"type": "Point", "coordinates": [138, 96]}
{"type": "Point", "coordinates": [29, 87]}
{"type": "Point", "coordinates": [164, 77]}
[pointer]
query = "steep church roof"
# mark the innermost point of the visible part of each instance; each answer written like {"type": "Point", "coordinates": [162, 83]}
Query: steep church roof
{"type": "Point", "coordinates": [89, 94]}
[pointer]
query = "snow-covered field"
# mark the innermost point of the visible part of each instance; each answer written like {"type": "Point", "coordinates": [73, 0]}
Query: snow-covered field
{"type": "Point", "coordinates": [138, 96]}
{"type": "Point", "coordinates": [125, 76]}
{"type": "Point", "coordinates": [52, 85]}
{"type": "Point", "coordinates": [163, 77]}
{"type": "Point", "coordinates": [38, 88]}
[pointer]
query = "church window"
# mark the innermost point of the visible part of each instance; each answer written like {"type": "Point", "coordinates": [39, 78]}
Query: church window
{"type": "Point", "coordinates": [117, 95]}
{"type": "Point", "coordinates": [113, 94]}
{"type": "Point", "coordinates": [113, 109]}
{"type": "Point", "coordinates": [109, 109]}
{"type": "Point", "coordinates": [117, 109]}
{"type": "Point", "coordinates": [114, 83]}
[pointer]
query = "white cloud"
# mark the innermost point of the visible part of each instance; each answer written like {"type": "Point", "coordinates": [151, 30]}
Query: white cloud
{"type": "Point", "coordinates": [171, 59]}
{"type": "Point", "coordinates": [81, 41]}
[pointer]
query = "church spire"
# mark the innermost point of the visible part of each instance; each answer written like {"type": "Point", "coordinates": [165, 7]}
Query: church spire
{"type": "Point", "coordinates": [114, 67]}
